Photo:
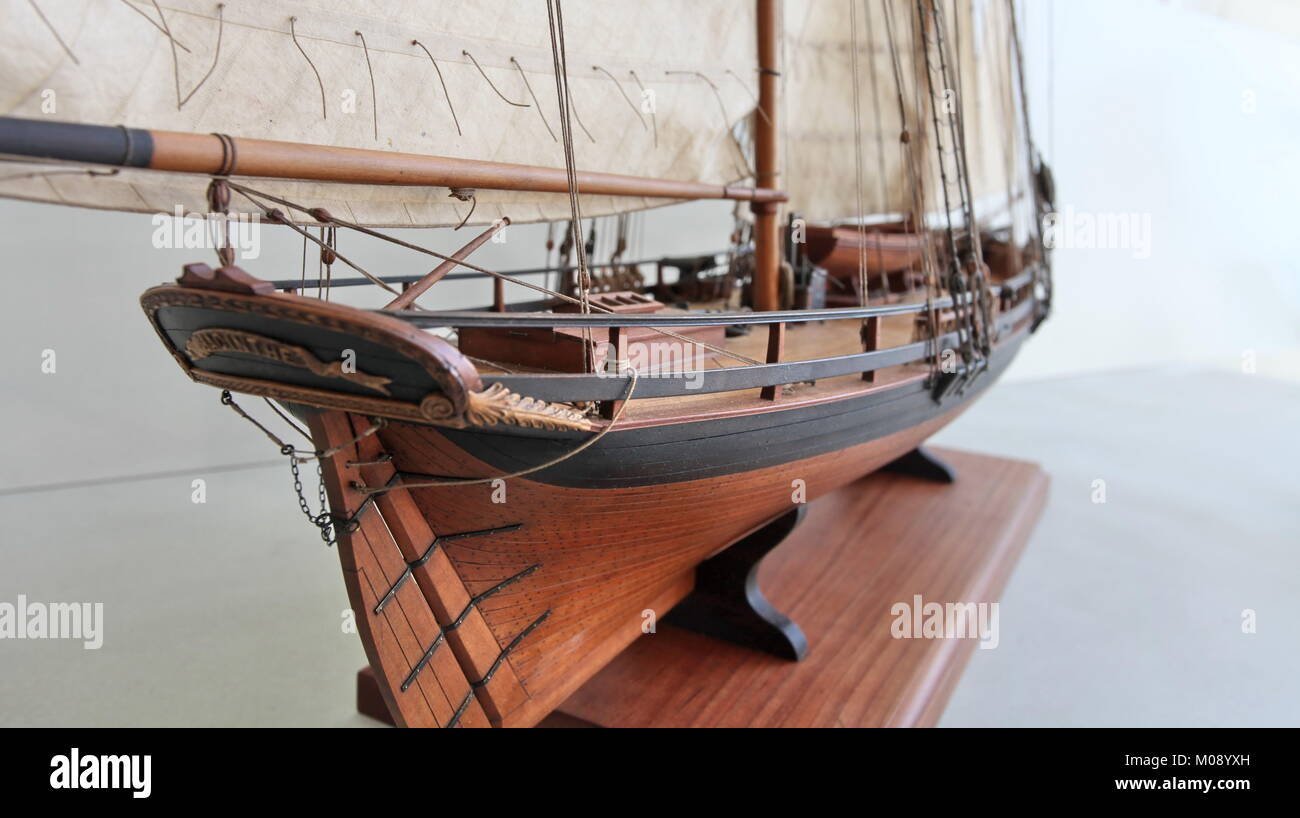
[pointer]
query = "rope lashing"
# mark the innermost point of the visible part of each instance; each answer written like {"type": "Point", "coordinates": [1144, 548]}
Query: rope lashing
{"type": "Point", "coordinates": [464, 194]}
{"type": "Point", "coordinates": [492, 84]}
{"type": "Point", "coordinates": [294, 35]}
{"type": "Point", "coordinates": [536, 104]}
{"type": "Point", "coordinates": [443, 83]}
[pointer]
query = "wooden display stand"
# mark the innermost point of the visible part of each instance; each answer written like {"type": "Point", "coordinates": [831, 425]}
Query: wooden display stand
{"type": "Point", "coordinates": [859, 551]}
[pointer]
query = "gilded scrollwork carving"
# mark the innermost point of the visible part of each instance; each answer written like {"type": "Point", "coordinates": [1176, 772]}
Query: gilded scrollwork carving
{"type": "Point", "coordinates": [497, 404]}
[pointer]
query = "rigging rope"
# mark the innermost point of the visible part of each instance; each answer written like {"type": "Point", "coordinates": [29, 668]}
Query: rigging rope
{"type": "Point", "coordinates": [623, 93]}
{"type": "Point", "coordinates": [536, 104]}
{"type": "Point", "coordinates": [654, 125]}
{"type": "Point", "coordinates": [492, 84]}
{"type": "Point", "coordinates": [288, 449]}
{"type": "Point", "coordinates": [374, 95]}
{"type": "Point", "coordinates": [216, 56]}
{"type": "Point", "coordinates": [443, 83]}
{"type": "Point", "coordinates": [928, 263]}
{"type": "Point", "coordinates": [857, 156]}
{"type": "Point", "coordinates": [1043, 272]}
{"type": "Point", "coordinates": [279, 218]}
{"type": "Point", "coordinates": [880, 134]}
{"type": "Point", "coordinates": [975, 254]}
{"type": "Point", "coordinates": [555, 15]}
{"type": "Point", "coordinates": [294, 35]}
{"type": "Point", "coordinates": [972, 334]}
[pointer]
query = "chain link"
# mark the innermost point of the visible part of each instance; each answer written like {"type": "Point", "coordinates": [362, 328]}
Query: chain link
{"type": "Point", "coordinates": [322, 519]}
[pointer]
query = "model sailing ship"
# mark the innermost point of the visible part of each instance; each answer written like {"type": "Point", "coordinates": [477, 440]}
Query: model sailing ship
{"type": "Point", "coordinates": [511, 488]}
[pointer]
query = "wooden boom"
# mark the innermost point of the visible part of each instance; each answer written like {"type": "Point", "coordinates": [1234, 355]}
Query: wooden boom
{"type": "Point", "coordinates": [210, 154]}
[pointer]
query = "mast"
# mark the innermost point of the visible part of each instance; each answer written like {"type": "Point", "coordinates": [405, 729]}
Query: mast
{"type": "Point", "coordinates": [767, 238]}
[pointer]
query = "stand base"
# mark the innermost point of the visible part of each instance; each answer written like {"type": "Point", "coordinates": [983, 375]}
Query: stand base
{"type": "Point", "coordinates": [370, 702]}
{"type": "Point", "coordinates": [922, 463]}
{"type": "Point", "coordinates": [861, 551]}
{"type": "Point", "coordinates": [727, 603]}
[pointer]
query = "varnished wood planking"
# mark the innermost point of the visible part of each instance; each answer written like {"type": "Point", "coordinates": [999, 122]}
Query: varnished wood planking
{"type": "Point", "coordinates": [396, 638]}
{"type": "Point", "coordinates": [471, 641]}
{"type": "Point", "coordinates": [862, 549]}
{"type": "Point", "coordinates": [604, 553]}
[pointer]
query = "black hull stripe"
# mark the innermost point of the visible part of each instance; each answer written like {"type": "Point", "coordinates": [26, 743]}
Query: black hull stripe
{"type": "Point", "coordinates": [690, 451]}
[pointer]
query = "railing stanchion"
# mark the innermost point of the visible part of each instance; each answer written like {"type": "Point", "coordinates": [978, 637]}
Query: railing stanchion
{"type": "Point", "coordinates": [870, 343]}
{"type": "Point", "coordinates": [775, 349]}
{"type": "Point", "coordinates": [615, 364]}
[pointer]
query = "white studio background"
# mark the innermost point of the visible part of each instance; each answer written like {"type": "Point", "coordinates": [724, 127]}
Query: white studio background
{"type": "Point", "coordinates": [1190, 119]}
{"type": "Point", "coordinates": [1160, 110]}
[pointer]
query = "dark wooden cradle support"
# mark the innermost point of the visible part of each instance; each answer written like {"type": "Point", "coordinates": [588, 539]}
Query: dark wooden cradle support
{"type": "Point", "coordinates": [862, 549]}
{"type": "Point", "coordinates": [727, 603]}
{"type": "Point", "coordinates": [922, 463]}
{"type": "Point", "coordinates": [370, 700]}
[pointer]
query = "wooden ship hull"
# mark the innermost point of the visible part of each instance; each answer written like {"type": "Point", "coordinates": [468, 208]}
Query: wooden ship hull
{"type": "Point", "coordinates": [490, 602]}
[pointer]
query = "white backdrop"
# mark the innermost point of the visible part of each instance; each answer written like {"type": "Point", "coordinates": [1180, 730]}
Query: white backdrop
{"type": "Point", "coordinates": [1160, 111]}
{"type": "Point", "coordinates": [1164, 111]}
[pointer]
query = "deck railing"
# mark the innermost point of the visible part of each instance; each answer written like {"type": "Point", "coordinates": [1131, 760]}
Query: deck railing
{"type": "Point", "coordinates": [611, 387]}
{"type": "Point", "coordinates": [769, 376]}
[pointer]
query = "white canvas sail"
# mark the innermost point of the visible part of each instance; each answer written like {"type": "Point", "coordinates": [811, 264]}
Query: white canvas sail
{"type": "Point", "coordinates": [660, 89]}
{"type": "Point", "coordinates": [818, 112]}
{"type": "Point", "coordinates": [112, 62]}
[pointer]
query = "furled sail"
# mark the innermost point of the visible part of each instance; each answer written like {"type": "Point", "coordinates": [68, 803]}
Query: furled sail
{"type": "Point", "coordinates": [657, 89]}
{"type": "Point", "coordinates": [819, 117]}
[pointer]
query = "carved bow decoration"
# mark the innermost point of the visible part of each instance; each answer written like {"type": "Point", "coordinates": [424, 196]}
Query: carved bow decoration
{"type": "Point", "coordinates": [207, 342]}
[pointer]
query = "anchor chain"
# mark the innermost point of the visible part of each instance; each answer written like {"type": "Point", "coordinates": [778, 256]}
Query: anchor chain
{"type": "Point", "coordinates": [323, 520]}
